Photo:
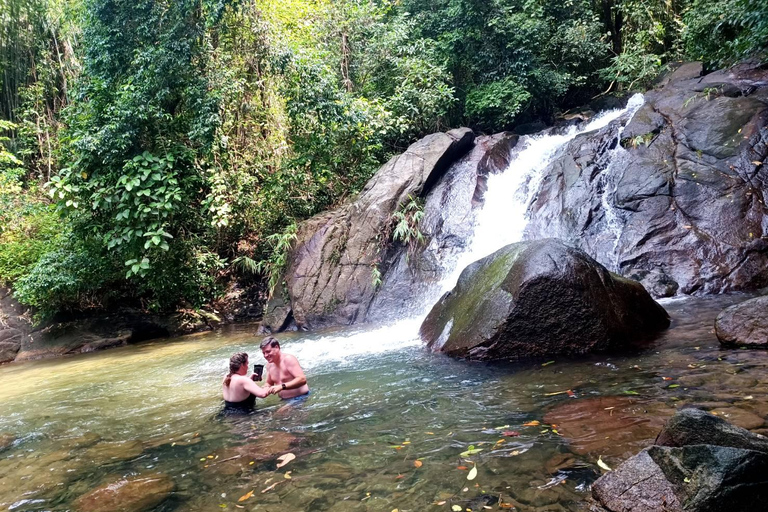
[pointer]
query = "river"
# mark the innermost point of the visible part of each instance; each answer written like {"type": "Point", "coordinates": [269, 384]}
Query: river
{"type": "Point", "coordinates": [377, 406]}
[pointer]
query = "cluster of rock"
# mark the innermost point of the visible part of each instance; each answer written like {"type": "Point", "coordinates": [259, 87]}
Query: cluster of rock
{"type": "Point", "coordinates": [698, 463]}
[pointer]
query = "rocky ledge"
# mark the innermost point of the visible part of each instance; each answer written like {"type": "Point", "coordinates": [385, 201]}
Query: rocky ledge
{"type": "Point", "coordinates": [536, 299]}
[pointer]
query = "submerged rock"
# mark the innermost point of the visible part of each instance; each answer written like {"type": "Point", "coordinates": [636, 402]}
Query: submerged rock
{"type": "Point", "coordinates": [681, 206]}
{"type": "Point", "coordinates": [535, 299]}
{"type": "Point", "coordinates": [614, 426]}
{"type": "Point", "coordinates": [744, 324]}
{"type": "Point", "coordinates": [133, 494]}
{"type": "Point", "coordinates": [705, 464]}
{"type": "Point", "coordinates": [6, 440]}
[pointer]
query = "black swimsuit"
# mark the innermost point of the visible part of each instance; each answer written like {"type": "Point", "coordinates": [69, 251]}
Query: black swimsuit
{"type": "Point", "coordinates": [248, 403]}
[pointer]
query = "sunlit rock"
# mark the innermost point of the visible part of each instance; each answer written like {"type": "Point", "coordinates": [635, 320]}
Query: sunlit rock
{"type": "Point", "coordinates": [536, 299]}
{"type": "Point", "coordinates": [676, 201]}
{"type": "Point", "coordinates": [329, 279]}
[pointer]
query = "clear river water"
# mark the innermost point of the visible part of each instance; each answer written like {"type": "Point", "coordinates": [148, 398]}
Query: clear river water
{"type": "Point", "coordinates": [387, 426]}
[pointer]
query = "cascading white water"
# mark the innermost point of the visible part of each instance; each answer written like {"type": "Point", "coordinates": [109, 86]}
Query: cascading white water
{"type": "Point", "coordinates": [501, 221]}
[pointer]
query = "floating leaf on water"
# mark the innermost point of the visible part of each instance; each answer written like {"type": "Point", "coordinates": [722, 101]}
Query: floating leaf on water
{"type": "Point", "coordinates": [603, 464]}
{"type": "Point", "coordinates": [571, 393]}
{"type": "Point", "coordinates": [418, 463]}
{"type": "Point", "coordinates": [239, 506]}
{"type": "Point", "coordinates": [547, 363]}
{"type": "Point", "coordinates": [514, 452]}
{"type": "Point", "coordinates": [510, 433]}
{"type": "Point", "coordinates": [202, 460]}
{"type": "Point", "coordinates": [463, 468]}
{"type": "Point", "coordinates": [472, 473]}
{"type": "Point", "coordinates": [757, 162]}
{"type": "Point", "coordinates": [672, 386]}
{"type": "Point", "coordinates": [686, 480]}
{"type": "Point", "coordinates": [748, 397]}
{"type": "Point", "coordinates": [430, 433]}
{"type": "Point", "coordinates": [395, 510]}
{"type": "Point", "coordinates": [501, 427]}
{"type": "Point", "coordinates": [285, 459]}
{"type": "Point", "coordinates": [534, 423]}
{"type": "Point", "coordinates": [666, 378]}
{"type": "Point", "coordinates": [456, 508]}
{"type": "Point", "coordinates": [245, 496]}
{"type": "Point", "coordinates": [287, 475]}
{"type": "Point", "coordinates": [472, 450]}
{"type": "Point", "coordinates": [506, 505]}
{"type": "Point", "coordinates": [439, 503]}
{"type": "Point", "coordinates": [630, 392]}
{"type": "Point", "coordinates": [406, 442]}
{"type": "Point", "coordinates": [398, 477]}
{"type": "Point", "coordinates": [465, 489]}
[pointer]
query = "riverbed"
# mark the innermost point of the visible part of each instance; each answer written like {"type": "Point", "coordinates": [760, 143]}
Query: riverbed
{"type": "Point", "coordinates": [384, 428]}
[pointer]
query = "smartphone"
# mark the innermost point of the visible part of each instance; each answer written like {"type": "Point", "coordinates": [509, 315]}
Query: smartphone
{"type": "Point", "coordinates": [257, 370]}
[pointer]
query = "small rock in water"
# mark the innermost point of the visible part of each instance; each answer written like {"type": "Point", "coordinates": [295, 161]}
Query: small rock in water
{"type": "Point", "coordinates": [6, 440]}
{"type": "Point", "coordinates": [135, 494]}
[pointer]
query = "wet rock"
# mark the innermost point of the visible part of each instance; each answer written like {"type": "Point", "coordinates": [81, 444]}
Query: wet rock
{"type": "Point", "coordinates": [692, 478]}
{"type": "Point", "coordinates": [694, 426]}
{"type": "Point", "coordinates": [744, 324]}
{"type": "Point", "coordinates": [133, 494]}
{"type": "Point", "coordinates": [266, 447]}
{"type": "Point", "coordinates": [6, 440]}
{"type": "Point", "coordinates": [612, 426]}
{"type": "Point", "coordinates": [449, 213]}
{"type": "Point", "coordinates": [676, 201]}
{"type": "Point", "coordinates": [536, 299]}
{"type": "Point", "coordinates": [329, 277]}
{"type": "Point", "coordinates": [700, 463]}
{"type": "Point", "coordinates": [106, 452]}
{"type": "Point", "coordinates": [739, 417]}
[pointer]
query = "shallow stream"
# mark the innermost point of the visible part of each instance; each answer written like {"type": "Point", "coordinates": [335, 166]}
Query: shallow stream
{"type": "Point", "coordinates": [379, 404]}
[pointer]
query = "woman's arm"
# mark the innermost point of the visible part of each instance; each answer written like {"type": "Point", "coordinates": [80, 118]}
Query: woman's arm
{"type": "Point", "coordinates": [254, 388]}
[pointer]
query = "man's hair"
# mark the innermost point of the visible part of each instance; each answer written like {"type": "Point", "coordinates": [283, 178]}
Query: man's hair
{"type": "Point", "coordinates": [269, 341]}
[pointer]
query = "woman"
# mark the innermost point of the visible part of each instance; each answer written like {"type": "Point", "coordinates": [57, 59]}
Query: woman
{"type": "Point", "coordinates": [240, 391]}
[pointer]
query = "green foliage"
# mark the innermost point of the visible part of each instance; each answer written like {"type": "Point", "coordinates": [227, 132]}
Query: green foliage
{"type": "Point", "coordinates": [721, 32]}
{"type": "Point", "coordinates": [69, 277]}
{"type": "Point", "coordinates": [274, 266]}
{"type": "Point", "coordinates": [496, 103]}
{"type": "Point", "coordinates": [405, 221]}
{"type": "Point", "coordinates": [29, 229]}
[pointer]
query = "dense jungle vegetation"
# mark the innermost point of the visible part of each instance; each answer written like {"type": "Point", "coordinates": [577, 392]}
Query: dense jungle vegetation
{"type": "Point", "coordinates": [155, 151]}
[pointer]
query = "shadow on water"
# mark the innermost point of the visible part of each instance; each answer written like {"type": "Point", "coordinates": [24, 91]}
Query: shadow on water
{"type": "Point", "coordinates": [387, 425]}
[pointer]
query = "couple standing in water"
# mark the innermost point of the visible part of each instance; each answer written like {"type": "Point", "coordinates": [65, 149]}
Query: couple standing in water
{"type": "Point", "coordinates": [284, 377]}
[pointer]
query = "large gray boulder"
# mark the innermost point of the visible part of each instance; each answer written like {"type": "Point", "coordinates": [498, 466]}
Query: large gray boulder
{"type": "Point", "coordinates": [744, 324]}
{"type": "Point", "coordinates": [699, 463]}
{"type": "Point", "coordinates": [540, 298]}
{"type": "Point", "coordinates": [676, 200]}
{"type": "Point", "coordinates": [329, 279]}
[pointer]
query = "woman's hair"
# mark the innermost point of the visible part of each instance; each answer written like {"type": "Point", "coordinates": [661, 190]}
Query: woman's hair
{"type": "Point", "coordinates": [235, 362]}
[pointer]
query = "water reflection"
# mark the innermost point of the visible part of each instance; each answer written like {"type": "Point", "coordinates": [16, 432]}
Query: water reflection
{"type": "Point", "coordinates": [379, 404]}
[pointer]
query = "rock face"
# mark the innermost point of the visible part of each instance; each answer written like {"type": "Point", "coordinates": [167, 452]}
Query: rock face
{"type": "Point", "coordinates": [681, 206]}
{"type": "Point", "coordinates": [744, 324]}
{"type": "Point", "coordinates": [700, 463]}
{"type": "Point", "coordinates": [134, 494]}
{"type": "Point", "coordinates": [539, 298]}
{"type": "Point", "coordinates": [14, 326]}
{"type": "Point", "coordinates": [329, 280]}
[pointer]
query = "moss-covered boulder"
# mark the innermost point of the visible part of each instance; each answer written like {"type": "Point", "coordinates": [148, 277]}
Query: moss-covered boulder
{"type": "Point", "coordinates": [536, 299]}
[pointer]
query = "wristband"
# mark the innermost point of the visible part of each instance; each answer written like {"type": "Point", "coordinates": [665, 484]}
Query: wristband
{"type": "Point", "coordinates": [283, 385]}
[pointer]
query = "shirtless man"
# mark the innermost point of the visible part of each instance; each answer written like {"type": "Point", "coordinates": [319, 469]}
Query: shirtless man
{"type": "Point", "coordinates": [283, 371]}
{"type": "Point", "coordinates": [240, 392]}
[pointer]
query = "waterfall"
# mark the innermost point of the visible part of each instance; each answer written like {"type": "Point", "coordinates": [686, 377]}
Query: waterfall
{"type": "Point", "coordinates": [501, 221]}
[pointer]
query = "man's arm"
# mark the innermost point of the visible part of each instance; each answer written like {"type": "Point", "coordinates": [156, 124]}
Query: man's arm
{"type": "Point", "coordinates": [255, 389]}
{"type": "Point", "coordinates": [293, 366]}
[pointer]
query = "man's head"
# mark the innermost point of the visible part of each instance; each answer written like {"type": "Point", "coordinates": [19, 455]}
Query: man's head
{"type": "Point", "coordinates": [270, 347]}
